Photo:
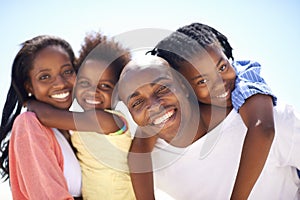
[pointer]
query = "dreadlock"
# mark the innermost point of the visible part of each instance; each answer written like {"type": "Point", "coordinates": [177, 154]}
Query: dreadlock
{"type": "Point", "coordinates": [188, 41]}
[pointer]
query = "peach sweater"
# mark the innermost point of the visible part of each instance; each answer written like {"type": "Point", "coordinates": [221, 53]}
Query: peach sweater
{"type": "Point", "coordinates": [35, 161]}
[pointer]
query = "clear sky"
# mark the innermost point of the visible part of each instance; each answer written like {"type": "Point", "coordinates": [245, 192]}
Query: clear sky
{"type": "Point", "coordinates": [266, 31]}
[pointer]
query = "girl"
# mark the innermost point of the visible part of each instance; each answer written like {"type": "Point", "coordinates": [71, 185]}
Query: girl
{"type": "Point", "coordinates": [38, 160]}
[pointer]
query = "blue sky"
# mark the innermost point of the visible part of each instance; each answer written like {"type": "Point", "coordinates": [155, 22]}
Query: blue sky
{"type": "Point", "coordinates": [266, 31]}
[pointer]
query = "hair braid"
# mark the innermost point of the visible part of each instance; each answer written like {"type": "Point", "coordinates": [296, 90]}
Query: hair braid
{"type": "Point", "coordinates": [188, 41]}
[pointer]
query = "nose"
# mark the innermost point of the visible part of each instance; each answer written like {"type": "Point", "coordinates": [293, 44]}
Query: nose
{"type": "Point", "coordinates": [59, 82]}
{"type": "Point", "coordinates": [218, 83]}
{"type": "Point", "coordinates": [154, 105]}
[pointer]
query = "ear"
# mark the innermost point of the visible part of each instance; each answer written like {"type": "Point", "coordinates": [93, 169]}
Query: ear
{"type": "Point", "coordinates": [28, 87]}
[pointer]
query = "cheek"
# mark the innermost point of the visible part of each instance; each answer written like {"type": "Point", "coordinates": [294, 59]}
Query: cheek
{"type": "Point", "coordinates": [231, 74]}
{"type": "Point", "coordinates": [39, 91]}
{"type": "Point", "coordinates": [202, 93]}
{"type": "Point", "coordinates": [138, 117]}
{"type": "Point", "coordinates": [72, 80]}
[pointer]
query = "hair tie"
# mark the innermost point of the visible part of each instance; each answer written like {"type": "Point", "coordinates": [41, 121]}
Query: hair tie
{"type": "Point", "coordinates": [152, 52]}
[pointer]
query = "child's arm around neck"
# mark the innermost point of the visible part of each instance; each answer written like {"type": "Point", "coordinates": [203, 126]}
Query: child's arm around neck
{"type": "Point", "coordinates": [92, 121]}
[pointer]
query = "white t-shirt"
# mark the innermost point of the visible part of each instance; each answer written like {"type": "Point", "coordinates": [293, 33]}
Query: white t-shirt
{"type": "Point", "coordinates": [207, 168]}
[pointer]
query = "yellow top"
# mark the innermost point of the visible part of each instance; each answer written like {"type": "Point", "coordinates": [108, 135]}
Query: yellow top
{"type": "Point", "coordinates": [103, 160]}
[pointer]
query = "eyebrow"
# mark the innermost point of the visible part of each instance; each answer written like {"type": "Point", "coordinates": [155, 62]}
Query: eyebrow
{"type": "Point", "coordinates": [220, 60]}
{"type": "Point", "coordinates": [202, 75]}
{"type": "Point", "coordinates": [155, 81]}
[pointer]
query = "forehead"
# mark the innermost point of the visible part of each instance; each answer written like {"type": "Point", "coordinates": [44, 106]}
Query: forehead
{"type": "Point", "coordinates": [135, 78]}
{"type": "Point", "coordinates": [50, 54]}
{"type": "Point", "coordinates": [203, 62]}
{"type": "Point", "coordinates": [94, 69]}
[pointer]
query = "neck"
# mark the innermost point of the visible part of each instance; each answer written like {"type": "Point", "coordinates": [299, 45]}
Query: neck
{"type": "Point", "coordinates": [210, 117]}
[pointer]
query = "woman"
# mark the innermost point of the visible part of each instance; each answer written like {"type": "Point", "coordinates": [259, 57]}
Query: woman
{"type": "Point", "coordinates": [38, 160]}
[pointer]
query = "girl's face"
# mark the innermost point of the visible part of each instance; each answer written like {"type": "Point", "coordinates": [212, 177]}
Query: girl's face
{"type": "Point", "coordinates": [212, 77]}
{"type": "Point", "coordinates": [95, 85]}
{"type": "Point", "coordinates": [152, 96]}
{"type": "Point", "coordinates": [52, 77]}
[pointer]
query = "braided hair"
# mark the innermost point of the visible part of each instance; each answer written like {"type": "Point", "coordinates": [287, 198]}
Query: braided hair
{"type": "Point", "coordinates": [17, 93]}
{"type": "Point", "coordinates": [189, 41]}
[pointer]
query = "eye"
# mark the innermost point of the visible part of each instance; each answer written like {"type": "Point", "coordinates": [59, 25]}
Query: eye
{"type": "Point", "coordinates": [44, 77]}
{"type": "Point", "coordinates": [105, 86]}
{"type": "Point", "coordinates": [137, 103]}
{"type": "Point", "coordinates": [222, 68]}
{"type": "Point", "coordinates": [202, 81]}
{"type": "Point", "coordinates": [163, 89]}
{"type": "Point", "coordinates": [68, 72]}
{"type": "Point", "coordinates": [84, 84]}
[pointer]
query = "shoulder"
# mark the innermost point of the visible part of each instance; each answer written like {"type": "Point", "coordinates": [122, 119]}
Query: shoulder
{"type": "Point", "coordinates": [26, 117]}
{"type": "Point", "coordinates": [27, 123]}
{"type": "Point", "coordinates": [243, 66]}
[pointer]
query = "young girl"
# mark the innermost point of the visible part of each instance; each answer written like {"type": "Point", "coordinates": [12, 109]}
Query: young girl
{"type": "Point", "coordinates": [179, 50]}
{"type": "Point", "coordinates": [102, 153]}
{"type": "Point", "coordinates": [38, 160]}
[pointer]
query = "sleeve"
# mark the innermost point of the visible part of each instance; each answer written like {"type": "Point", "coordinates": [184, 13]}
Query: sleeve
{"type": "Point", "coordinates": [36, 161]}
{"type": "Point", "coordinates": [248, 83]}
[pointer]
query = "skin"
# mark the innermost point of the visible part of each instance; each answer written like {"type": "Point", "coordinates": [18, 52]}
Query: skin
{"type": "Point", "coordinates": [212, 79]}
{"type": "Point", "coordinates": [91, 91]}
{"type": "Point", "coordinates": [157, 102]}
{"type": "Point", "coordinates": [93, 94]}
{"type": "Point", "coordinates": [213, 87]}
{"type": "Point", "coordinates": [52, 79]}
{"type": "Point", "coordinates": [152, 93]}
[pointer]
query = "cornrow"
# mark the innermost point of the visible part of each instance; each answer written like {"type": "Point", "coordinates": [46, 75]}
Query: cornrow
{"type": "Point", "coordinates": [199, 31]}
{"type": "Point", "coordinates": [188, 41]}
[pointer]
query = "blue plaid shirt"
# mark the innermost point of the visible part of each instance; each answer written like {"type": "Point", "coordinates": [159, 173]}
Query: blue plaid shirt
{"type": "Point", "coordinates": [248, 82]}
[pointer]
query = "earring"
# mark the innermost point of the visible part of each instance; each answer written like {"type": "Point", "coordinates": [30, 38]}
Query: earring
{"type": "Point", "coordinates": [29, 94]}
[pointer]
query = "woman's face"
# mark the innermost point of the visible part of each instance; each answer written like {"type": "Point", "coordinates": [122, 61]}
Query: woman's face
{"type": "Point", "coordinates": [95, 84]}
{"type": "Point", "coordinates": [52, 77]}
{"type": "Point", "coordinates": [211, 76]}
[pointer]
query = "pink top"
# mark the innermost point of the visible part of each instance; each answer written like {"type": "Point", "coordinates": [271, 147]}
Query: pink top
{"type": "Point", "coordinates": [36, 162]}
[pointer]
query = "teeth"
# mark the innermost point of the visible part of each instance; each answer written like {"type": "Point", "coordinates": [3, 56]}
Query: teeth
{"type": "Point", "coordinates": [92, 102]}
{"type": "Point", "coordinates": [61, 95]}
{"type": "Point", "coordinates": [163, 118]}
{"type": "Point", "coordinates": [222, 95]}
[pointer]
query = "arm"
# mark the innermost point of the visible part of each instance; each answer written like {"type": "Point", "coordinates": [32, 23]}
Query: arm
{"type": "Point", "coordinates": [36, 163]}
{"type": "Point", "coordinates": [140, 166]}
{"type": "Point", "coordinates": [257, 114]}
{"type": "Point", "coordinates": [94, 120]}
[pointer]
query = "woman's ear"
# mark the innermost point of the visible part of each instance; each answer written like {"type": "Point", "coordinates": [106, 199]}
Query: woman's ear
{"type": "Point", "coordinates": [28, 87]}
